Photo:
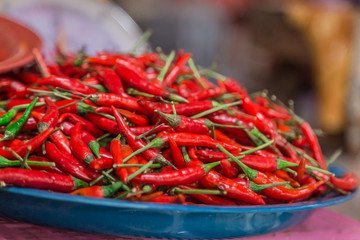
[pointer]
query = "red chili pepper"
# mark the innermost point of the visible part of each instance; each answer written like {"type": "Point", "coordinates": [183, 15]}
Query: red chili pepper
{"type": "Point", "coordinates": [313, 143]}
{"type": "Point", "coordinates": [110, 99]}
{"type": "Point", "coordinates": [86, 125]}
{"type": "Point", "coordinates": [78, 147]}
{"type": "Point", "coordinates": [134, 77]}
{"type": "Point", "coordinates": [125, 152]}
{"type": "Point", "coordinates": [12, 87]}
{"type": "Point", "coordinates": [44, 168]}
{"type": "Point", "coordinates": [115, 149]}
{"type": "Point", "coordinates": [169, 199]}
{"type": "Point", "coordinates": [176, 69]}
{"type": "Point", "coordinates": [67, 83]}
{"type": "Point", "coordinates": [301, 169]}
{"type": "Point", "coordinates": [99, 191]}
{"type": "Point", "coordinates": [69, 164]}
{"type": "Point", "coordinates": [40, 180]}
{"type": "Point", "coordinates": [32, 144]}
{"type": "Point", "coordinates": [179, 161]}
{"type": "Point", "coordinates": [188, 109]}
{"type": "Point", "coordinates": [78, 108]}
{"type": "Point", "coordinates": [228, 170]}
{"type": "Point", "coordinates": [214, 180]}
{"type": "Point", "coordinates": [192, 152]}
{"type": "Point", "coordinates": [111, 80]}
{"type": "Point", "coordinates": [209, 93]}
{"type": "Point", "coordinates": [210, 199]}
{"type": "Point", "coordinates": [349, 181]}
{"type": "Point", "coordinates": [51, 116]}
{"type": "Point", "coordinates": [85, 136]}
{"type": "Point", "coordinates": [139, 120]}
{"type": "Point", "coordinates": [190, 139]}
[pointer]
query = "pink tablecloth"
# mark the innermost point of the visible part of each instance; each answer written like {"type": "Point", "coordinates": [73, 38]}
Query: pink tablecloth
{"type": "Point", "coordinates": [324, 224]}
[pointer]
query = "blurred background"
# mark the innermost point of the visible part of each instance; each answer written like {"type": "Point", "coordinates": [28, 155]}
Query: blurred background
{"type": "Point", "coordinates": [302, 51]}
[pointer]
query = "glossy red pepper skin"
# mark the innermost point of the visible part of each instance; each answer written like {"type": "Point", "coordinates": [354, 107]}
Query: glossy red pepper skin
{"type": "Point", "coordinates": [69, 164]}
{"type": "Point", "coordinates": [85, 136]}
{"type": "Point", "coordinates": [190, 139]}
{"type": "Point", "coordinates": [37, 179]}
{"type": "Point", "coordinates": [33, 144]}
{"type": "Point", "coordinates": [228, 170]}
{"type": "Point", "coordinates": [45, 168]}
{"type": "Point", "coordinates": [169, 199]}
{"type": "Point", "coordinates": [78, 148]}
{"type": "Point", "coordinates": [175, 70]}
{"type": "Point", "coordinates": [208, 93]}
{"type": "Point", "coordinates": [178, 158]}
{"type": "Point", "coordinates": [313, 143]}
{"type": "Point", "coordinates": [110, 99]}
{"type": "Point", "coordinates": [214, 180]}
{"type": "Point", "coordinates": [86, 125]}
{"type": "Point", "coordinates": [130, 137]}
{"type": "Point", "coordinates": [283, 193]}
{"type": "Point", "coordinates": [67, 83]}
{"type": "Point", "coordinates": [182, 123]}
{"type": "Point", "coordinates": [138, 120]}
{"type": "Point", "coordinates": [349, 181]}
{"type": "Point", "coordinates": [210, 199]}
{"type": "Point", "coordinates": [12, 87]}
{"type": "Point", "coordinates": [51, 116]}
{"type": "Point", "coordinates": [264, 164]}
{"type": "Point", "coordinates": [111, 80]}
{"type": "Point", "coordinates": [174, 177]}
{"type": "Point", "coordinates": [188, 109]}
{"type": "Point", "coordinates": [115, 149]}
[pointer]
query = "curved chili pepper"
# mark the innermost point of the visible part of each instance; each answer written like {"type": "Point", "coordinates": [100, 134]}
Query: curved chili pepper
{"type": "Point", "coordinates": [208, 93]}
{"type": "Point", "coordinates": [209, 198]}
{"type": "Point", "coordinates": [136, 144]}
{"type": "Point", "coordinates": [169, 199]}
{"type": "Point", "coordinates": [228, 170]}
{"type": "Point", "coordinates": [188, 109]}
{"type": "Point", "coordinates": [313, 143]}
{"type": "Point", "coordinates": [349, 181]}
{"type": "Point", "coordinates": [51, 116]}
{"type": "Point", "coordinates": [12, 87]}
{"type": "Point", "coordinates": [111, 80]}
{"type": "Point", "coordinates": [115, 149]}
{"type": "Point", "coordinates": [110, 99]}
{"type": "Point", "coordinates": [85, 136]}
{"type": "Point", "coordinates": [78, 147]}
{"type": "Point", "coordinates": [99, 191]}
{"type": "Point", "coordinates": [139, 120]}
{"type": "Point", "coordinates": [50, 169]}
{"type": "Point", "coordinates": [86, 125]}
{"type": "Point", "coordinates": [103, 123]}
{"type": "Point", "coordinates": [176, 69]}
{"type": "Point", "coordinates": [179, 161]}
{"type": "Point", "coordinates": [279, 192]}
{"type": "Point", "coordinates": [69, 164]}
{"type": "Point", "coordinates": [190, 139]}
{"type": "Point", "coordinates": [176, 177]}
{"type": "Point", "coordinates": [66, 83]}
{"type": "Point", "coordinates": [40, 180]}
{"type": "Point", "coordinates": [13, 129]}
{"type": "Point", "coordinates": [131, 75]}
{"type": "Point", "coordinates": [214, 180]}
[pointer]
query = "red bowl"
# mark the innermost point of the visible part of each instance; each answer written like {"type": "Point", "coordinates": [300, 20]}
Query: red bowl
{"type": "Point", "coordinates": [16, 43]}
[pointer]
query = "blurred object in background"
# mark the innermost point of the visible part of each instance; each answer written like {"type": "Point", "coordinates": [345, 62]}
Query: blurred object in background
{"type": "Point", "coordinates": [329, 30]}
{"type": "Point", "coordinates": [93, 24]}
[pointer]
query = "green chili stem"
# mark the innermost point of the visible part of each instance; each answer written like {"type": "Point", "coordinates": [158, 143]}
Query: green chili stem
{"type": "Point", "coordinates": [177, 190]}
{"type": "Point", "coordinates": [148, 132]}
{"type": "Point", "coordinates": [196, 73]}
{"type": "Point", "coordinates": [140, 170]}
{"type": "Point", "coordinates": [214, 109]}
{"type": "Point", "coordinates": [165, 69]}
{"type": "Point", "coordinates": [142, 39]}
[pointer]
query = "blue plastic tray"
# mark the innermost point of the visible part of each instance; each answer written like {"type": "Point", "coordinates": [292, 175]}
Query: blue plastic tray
{"type": "Point", "coordinates": [134, 219]}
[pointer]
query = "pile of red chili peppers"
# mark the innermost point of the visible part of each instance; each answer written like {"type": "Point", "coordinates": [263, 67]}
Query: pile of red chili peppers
{"type": "Point", "coordinates": [155, 128]}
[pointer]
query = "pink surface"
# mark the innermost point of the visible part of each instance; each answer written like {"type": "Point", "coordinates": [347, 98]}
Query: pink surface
{"type": "Point", "coordinates": [324, 224]}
